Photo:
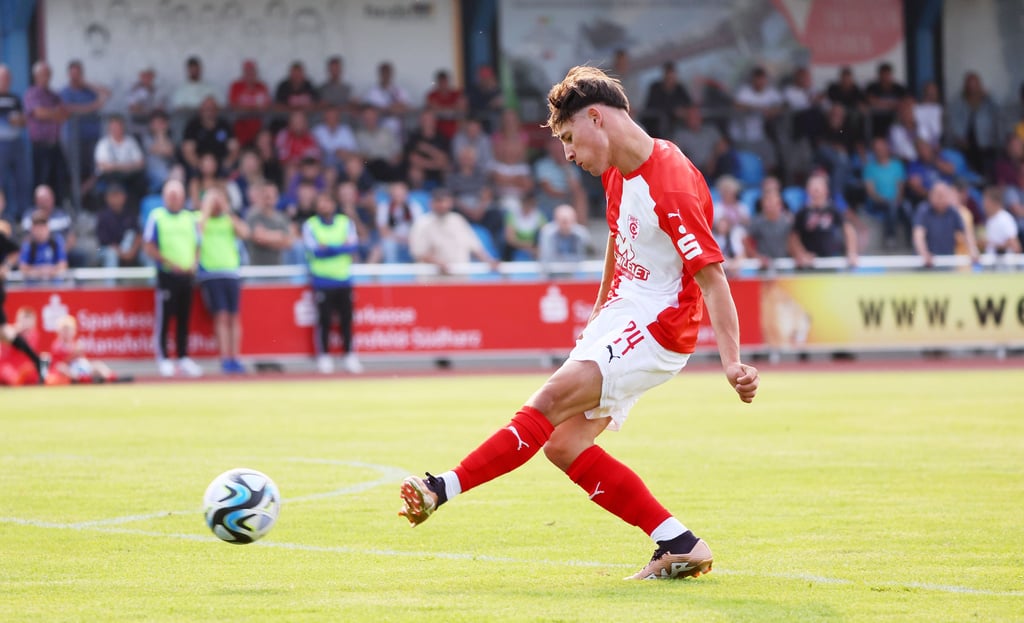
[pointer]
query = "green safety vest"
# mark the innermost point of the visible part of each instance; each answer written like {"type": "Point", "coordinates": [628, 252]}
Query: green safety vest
{"type": "Point", "coordinates": [218, 251]}
{"type": "Point", "coordinates": [176, 236]}
{"type": "Point", "coordinates": [337, 267]}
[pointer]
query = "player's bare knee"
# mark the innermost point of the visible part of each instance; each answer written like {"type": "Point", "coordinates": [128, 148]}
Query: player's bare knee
{"type": "Point", "coordinates": [564, 445]}
{"type": "Point", "coordinates": [560, 453]}
{"type": "Point", "coordinates": [546, 401]}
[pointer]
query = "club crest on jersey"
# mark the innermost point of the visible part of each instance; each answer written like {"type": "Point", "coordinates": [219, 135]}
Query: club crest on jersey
{"type": "Point", "coordinates": [634, 227]}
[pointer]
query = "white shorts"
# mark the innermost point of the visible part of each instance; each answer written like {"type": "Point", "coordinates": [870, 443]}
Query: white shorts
{"type": "Point", "coordinates": [80, 367]}
{"type": "Point", "coordinates": [630, 359]}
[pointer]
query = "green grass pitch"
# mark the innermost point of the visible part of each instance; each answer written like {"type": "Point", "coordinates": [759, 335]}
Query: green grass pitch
{"type": "Point", "coordinates": [857, 496]}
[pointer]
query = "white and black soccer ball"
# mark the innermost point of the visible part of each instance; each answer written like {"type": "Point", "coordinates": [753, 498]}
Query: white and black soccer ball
{"type": "Point", "coordinates": [241, 505]}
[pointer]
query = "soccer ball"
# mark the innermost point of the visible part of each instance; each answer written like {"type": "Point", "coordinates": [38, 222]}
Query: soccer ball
{"type": "Point", "coordinates": [241, 505]}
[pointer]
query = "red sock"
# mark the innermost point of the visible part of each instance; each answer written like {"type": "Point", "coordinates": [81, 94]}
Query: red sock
{"type": "Point", "coordinates": [506, 449]}
{"type": "Point", "coordinates": [617, 489]}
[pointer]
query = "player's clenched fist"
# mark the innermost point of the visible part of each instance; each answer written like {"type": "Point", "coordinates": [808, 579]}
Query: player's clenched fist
{"type": "Point", "coordinates": [744, 380]}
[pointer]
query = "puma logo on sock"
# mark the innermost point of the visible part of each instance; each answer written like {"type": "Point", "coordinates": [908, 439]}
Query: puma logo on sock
{"type": "Point", "coordinates": [522, 444]}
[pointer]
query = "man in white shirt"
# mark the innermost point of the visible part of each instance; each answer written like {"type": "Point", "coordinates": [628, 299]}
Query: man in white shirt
{"type": "Point", "coordinates": [189, 95]}
{"type": "Point", "coordinates": [336, 139]}
{"type": "Point", "coordinates": [120, 159]}
{"type": "Point", "coordinates": [391, 99]}
{"type": "Point", "coordinates": [563, 240]}
{"type": "Point", "coordinates": [143, 99]}
{"type": "Point", "coordinates": [443, 237]}
{"type": "Point", "coordinates": [758, 104]}
{"type": "Point", "coordinates": [1001, 233]}
{"type": "Point", "coordinates": [804, 103]}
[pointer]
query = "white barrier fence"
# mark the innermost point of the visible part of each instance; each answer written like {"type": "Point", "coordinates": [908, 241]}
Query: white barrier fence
{"type": "Point", "coordinates": [590, 269]}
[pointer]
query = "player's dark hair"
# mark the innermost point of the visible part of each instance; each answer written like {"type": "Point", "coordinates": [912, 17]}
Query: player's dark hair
{"type": "Point", "coordinates": [583, 86]}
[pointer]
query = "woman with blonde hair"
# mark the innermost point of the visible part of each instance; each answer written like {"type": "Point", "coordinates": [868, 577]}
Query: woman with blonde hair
{"type": "Point", "coordinates": [728, 202]}
{"type": "Point", "coordinates": [220, 232]}
{"type": "Point", "coordinates": [69, 363]}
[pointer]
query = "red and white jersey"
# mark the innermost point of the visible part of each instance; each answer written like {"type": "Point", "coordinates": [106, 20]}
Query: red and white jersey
{"type": "Point", "coordinates": [661, 216]}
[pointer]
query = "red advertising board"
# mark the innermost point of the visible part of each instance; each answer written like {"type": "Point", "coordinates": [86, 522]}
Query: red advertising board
{"type": "Point", "coordinates": [840, 32]}
{"type": "Point", "coordinates": [390, 319]}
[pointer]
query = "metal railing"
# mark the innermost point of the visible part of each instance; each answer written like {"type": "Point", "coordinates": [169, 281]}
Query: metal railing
{"type": "Point", "coordinates": [566, 271]}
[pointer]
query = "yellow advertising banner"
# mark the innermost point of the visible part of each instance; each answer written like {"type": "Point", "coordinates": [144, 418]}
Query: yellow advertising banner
{"type": "Point", "coordinates": [893, 310]}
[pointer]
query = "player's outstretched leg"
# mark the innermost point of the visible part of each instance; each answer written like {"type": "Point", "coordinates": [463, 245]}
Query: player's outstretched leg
{"type": "Point", "coordinates": [616, 488]}
{"type": "Point", "coordinates": [502, 452]}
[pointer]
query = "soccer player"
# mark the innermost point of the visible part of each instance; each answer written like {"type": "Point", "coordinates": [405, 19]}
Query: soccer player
{"type": "Point", "coordinates": [661, 266]}
{"type": "Point", "coordinates": [9, 333]}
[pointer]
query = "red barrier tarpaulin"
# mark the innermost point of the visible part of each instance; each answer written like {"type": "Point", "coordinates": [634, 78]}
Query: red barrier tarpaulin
{"type": "Point", "coordinates": [393, 319]}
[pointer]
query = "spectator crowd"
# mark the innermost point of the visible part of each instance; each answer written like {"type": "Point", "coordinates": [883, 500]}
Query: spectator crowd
{"type": "Point", "coordinates": [461, 161]}
{"type": "Point", "coordinates": [797, 169]}
{"type": "Point", "coordinates": [804, 171]}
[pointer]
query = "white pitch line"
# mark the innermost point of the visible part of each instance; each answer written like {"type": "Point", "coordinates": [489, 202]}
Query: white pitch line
{"type": "Point", "coordinates": [339, 549]}
{"type": "Point", "coordinates": [807, 577]}
{"type": "Point", "coordinates": [113, 521]}
{"type": "Point", "coordinates": [391, 474]}
{"type": "Point", "coordinates": [388, 474]}
{"type": "Point", "coordinates": [946, 588]}
{"type": "Point", "coordinates": [34, 523]}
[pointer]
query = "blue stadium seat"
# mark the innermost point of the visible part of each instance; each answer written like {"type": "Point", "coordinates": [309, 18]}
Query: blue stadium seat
{"type": "Point", "coordinates": [749, 198]}
{"type": "Point", "coordinates": [839, 201]}
{"type": "Point", "coordinates": [148, 204]}
{"type": "Point", "coordinates": [487, 239]}
{"type": "Point", "coordinates": [794, 197]}
{"type": "Point", "coordinates": [750, 169]}
{"type": "Point", "coordinates": [421, 197]}
{"type": "Point", "coordinates": [960, 168]}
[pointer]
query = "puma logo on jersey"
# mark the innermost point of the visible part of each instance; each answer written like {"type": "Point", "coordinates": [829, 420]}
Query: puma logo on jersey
{"type": "Point", "coordinates": [522, 444]}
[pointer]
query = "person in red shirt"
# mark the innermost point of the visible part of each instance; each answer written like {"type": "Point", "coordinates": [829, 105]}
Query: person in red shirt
{"type": "Point", "coordinates": [662, 266]}
{"type": "Point", "coordinates": [16, 366]}
{"type": "Point", "coordinates": [13, 343]}
{"type": "Point", "coordinates": [295, 142]}
{"type": "Point", "coordinates": [68, 361]}
{"type": "Point", "coordinates": [448, 104]}
{"type": "Point", "coordinates": [248, 97]}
